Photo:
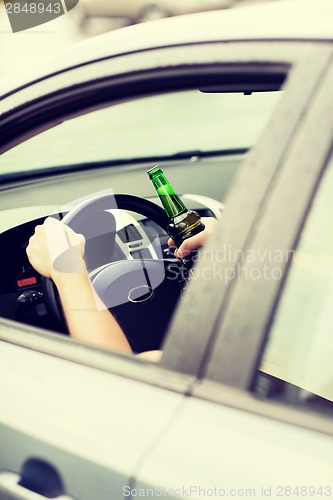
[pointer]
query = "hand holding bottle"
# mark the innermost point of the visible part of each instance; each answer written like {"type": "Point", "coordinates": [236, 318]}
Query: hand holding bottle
{"type": "Point", "coordinates": [195, 241]}
{"type": "Point", "coordinates": [187, 230]}
{"type": "Point", "coordinates": [183, 223]}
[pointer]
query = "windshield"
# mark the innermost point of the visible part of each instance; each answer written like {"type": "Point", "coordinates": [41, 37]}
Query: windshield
{"type": "Point", "coordinates": [155, 126]}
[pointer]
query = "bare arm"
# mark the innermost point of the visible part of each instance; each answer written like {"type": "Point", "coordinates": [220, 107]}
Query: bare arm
{"type": "Point", "coordinates": [86, 320]}
{"type": "Point", "coordinates": [56, 252]}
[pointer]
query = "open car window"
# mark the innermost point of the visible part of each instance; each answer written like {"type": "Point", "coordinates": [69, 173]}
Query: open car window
{"type": "Point", "coordinates": [297, 362]}
{"type": "Point", "coordinates": [198, 137]}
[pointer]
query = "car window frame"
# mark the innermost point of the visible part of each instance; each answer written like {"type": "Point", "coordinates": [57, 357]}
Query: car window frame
{"type": "Point", "coordinates": [28, 109]}
{"type": "Point", "coordinates": [294, 54]}
{"type": "Point", "coordinates": [265, 160]}
{"type": "Point", "coordinates": [236, 356]}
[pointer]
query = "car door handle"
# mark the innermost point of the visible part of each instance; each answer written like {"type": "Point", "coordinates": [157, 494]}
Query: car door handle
{"type": "Point", "coordinates": [10, 489]}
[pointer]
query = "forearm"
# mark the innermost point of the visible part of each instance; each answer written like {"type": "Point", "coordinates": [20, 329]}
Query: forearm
{"type": "Point", "coordinates": [87, 318]}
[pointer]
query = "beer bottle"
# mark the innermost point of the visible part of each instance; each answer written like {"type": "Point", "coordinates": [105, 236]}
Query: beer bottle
{"type": "Point", "coordinates": [183, 223]}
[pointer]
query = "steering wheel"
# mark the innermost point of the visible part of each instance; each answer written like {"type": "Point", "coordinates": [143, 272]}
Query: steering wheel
{"type": "Point", "coordinates": [141, 293]}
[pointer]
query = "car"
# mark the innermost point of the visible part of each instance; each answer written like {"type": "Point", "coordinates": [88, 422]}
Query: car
{"type": "Point", "coordinates": [235, 107]}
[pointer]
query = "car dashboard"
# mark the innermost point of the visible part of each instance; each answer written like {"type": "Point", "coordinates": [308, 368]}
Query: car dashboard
{"type": "Point", "coordinates": [130, 236]}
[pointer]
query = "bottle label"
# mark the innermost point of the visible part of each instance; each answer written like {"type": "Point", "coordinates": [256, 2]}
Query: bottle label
{"type": "Point", "coordinates": [184, 226]}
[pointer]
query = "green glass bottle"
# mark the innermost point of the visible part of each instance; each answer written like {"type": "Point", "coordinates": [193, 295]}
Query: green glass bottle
{"type": "Point", "coordinates": [183, 223]}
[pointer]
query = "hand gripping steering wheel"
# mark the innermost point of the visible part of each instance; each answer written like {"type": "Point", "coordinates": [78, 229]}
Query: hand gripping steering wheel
{"type": "Point", "coordinates": [142, 292]}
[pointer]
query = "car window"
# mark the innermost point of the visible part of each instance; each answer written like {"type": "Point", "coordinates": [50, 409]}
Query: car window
{"type": "Point", "coordinates": [297, 362]}
{"type": "Point", "coordinates": [155, 126]}
{"type": "Point", "coordinates": [174, 128]}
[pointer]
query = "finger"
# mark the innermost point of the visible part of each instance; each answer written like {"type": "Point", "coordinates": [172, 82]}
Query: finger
{"type": "Point", "coordinates": [191, 244]}
{"type": "Point", "coordinates": [39, 228]}
{"type": "Point", "coordinates": [28, 249]}
{"type": "Point", "coordinates": [210, 223]}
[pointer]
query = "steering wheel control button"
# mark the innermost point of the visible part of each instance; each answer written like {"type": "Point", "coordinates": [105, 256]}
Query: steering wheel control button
{"type": "Point", "coordinates": [129, 233]}
{"type": "Point", "coordinates": [135, 245]}
{"type": "Point", "coordinates": [140, 294]}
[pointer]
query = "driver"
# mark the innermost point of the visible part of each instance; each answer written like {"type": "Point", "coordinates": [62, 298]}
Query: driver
{"type": "Point", "coordinates": [88, 319]}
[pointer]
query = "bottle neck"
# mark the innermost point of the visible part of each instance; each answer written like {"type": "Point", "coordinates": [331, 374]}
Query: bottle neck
{"type": "Point", "coordinates": [171, 202]}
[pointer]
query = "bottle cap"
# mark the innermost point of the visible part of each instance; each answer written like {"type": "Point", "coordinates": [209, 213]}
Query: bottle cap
{"type": "Point", "coordinates": [154, 171]}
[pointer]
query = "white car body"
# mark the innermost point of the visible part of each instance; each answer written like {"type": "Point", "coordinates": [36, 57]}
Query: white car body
{"type": "Point", "coordinates": [114, 426]}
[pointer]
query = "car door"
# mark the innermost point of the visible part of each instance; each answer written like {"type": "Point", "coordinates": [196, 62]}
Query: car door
{"type": "Point", "coordinates": [68, 427]}
{"type": "Point", "coordinates": [88, 418]}
{"type": "Point", "coordinates": [259, 422]}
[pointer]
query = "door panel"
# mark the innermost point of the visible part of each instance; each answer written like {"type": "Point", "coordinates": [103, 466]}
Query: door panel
{"type": "Point", "coordinates": [92, 426]}
{"type": "Point", "coordinates": [217, 451]}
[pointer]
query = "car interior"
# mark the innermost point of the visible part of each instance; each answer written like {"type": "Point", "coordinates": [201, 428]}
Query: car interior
{"type": "Point", "coordinates": [89, 167]}
{"type": "Point", "coordinates": [98, 160]}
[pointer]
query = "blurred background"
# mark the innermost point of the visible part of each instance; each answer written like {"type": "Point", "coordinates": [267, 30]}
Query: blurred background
{"type": "Point", "coordinates": [90, 18]}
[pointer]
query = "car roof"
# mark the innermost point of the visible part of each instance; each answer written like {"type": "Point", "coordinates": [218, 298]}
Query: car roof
{"type": "Point", "coordinates": [275, 20]}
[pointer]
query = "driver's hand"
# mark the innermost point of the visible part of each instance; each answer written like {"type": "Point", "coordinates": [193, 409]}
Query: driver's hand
{"type": "Point", "coordinates": [195, 241]}
{"type": "Point", "coordinates": [56, 248]}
